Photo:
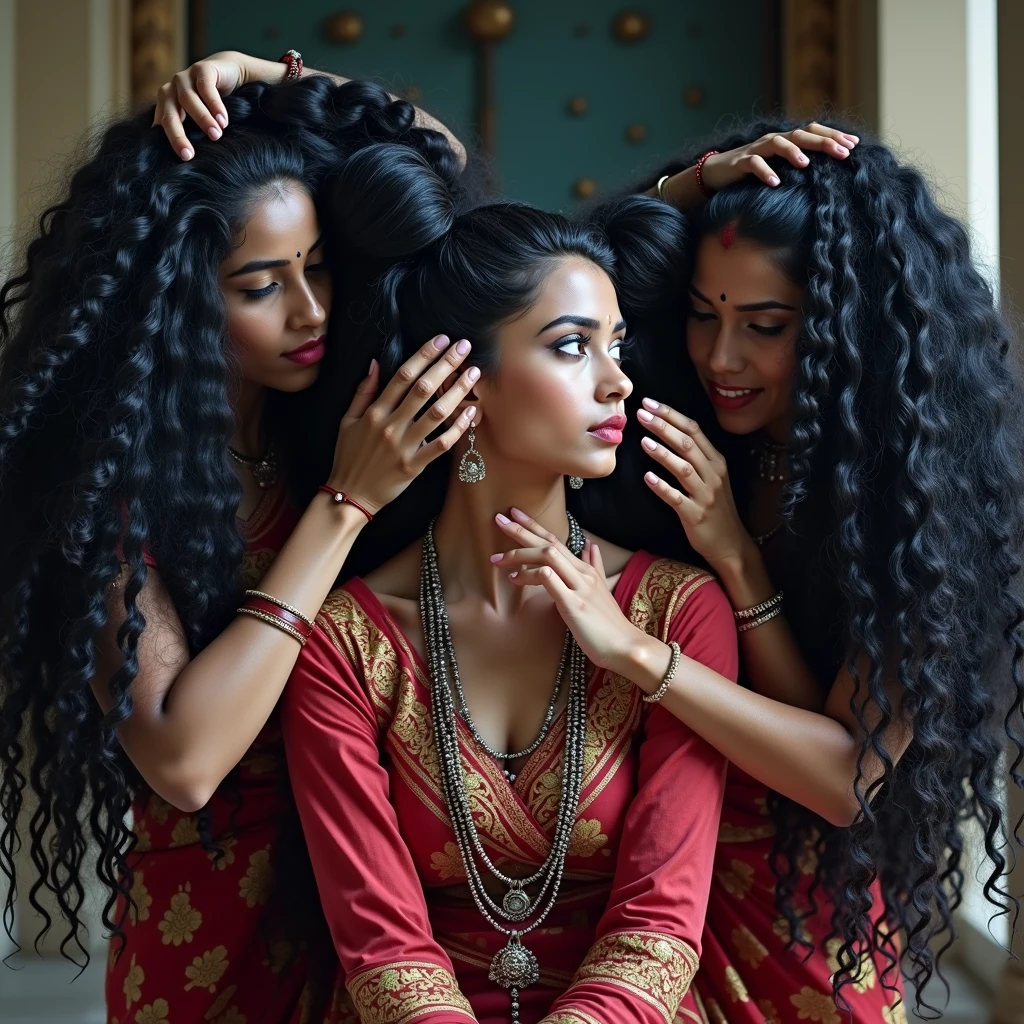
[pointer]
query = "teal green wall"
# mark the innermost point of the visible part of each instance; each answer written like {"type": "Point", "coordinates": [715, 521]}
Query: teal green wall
{"type": "Point", "coordinates": [541, 149]}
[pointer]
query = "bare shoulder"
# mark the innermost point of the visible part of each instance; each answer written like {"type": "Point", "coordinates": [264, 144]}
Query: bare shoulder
{"type": "Point", "coordinates": [397, 581]}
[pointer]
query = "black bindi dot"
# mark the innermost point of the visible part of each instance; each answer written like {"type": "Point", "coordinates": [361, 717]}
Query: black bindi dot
{"type": "Point", "coordinates": [722, 296]}
{"type": "Point", "coordinates": [298, 254]}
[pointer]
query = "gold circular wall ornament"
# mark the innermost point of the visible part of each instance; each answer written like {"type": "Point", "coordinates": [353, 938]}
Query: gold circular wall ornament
{"type": "Point", "coordinates": [578, 106]}
{"type": "Point", "coordinates": [344, 28]}
{"type": "Point", "coordinates": [631, 26]}
{"type": "Point", "coordinates": [636, 133]}
{"type": "Point", "coordinates": [489, 21]}
{"type": "Point", "coordinates": [584, 188]}
{"type": "Point", "coordinates": [694, 97]}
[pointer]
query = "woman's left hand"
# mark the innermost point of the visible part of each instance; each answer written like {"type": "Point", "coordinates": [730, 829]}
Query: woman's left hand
{"type": "Point", "coordinates": [725, 169]}
{"type": "Point", "coordinates": [578, 587]}
{"type": "Point", "coordinates": [703, 499]}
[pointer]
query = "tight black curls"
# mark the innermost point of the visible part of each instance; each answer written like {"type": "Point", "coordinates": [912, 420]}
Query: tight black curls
{"type": "Point", "coordinates": [114, 421]}
{"type": "Point", "coordinates": [905, 514]}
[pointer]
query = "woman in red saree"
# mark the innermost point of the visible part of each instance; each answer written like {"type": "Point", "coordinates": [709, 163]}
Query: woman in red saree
{"type": "Point", "coordinates": [862, 387]}
{"type": "Point", "coordinates": [376, 753]}
{"type": "Point", "coordinates": [170, 312]}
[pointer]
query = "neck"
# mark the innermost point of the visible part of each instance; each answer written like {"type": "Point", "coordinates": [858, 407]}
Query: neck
{"type": "Point", "coordinates": [249, 401]}
{"type": "Point", "coordinates": [466, 534]}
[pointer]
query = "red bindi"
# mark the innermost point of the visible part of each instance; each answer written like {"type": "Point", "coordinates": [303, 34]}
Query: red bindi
{"type": "Point", "coordinates": [728, 235]}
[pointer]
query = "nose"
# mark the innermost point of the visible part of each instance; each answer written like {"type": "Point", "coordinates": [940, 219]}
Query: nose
{"type": "Point", "coordinates": [308, 310]}
{"type": "Point", "coordinates": [725, 355]}
{"type": "Point", "coordinates": [613, 384]}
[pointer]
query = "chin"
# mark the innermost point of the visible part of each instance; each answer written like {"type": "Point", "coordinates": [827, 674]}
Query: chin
{"type": "Point", "coordinates": [297, 380]}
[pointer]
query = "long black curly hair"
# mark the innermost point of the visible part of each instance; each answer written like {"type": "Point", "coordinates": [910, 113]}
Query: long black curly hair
{"type": "Point", "coordinates": [905, 530]}
{"type": "Point", "coordinates": [114, 421]}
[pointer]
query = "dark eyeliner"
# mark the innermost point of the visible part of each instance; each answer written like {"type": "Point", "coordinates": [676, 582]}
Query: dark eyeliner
{"type": "Point", "coordinates": [767, 332]}
{"type": "Point", "coordinates": [259, 293]}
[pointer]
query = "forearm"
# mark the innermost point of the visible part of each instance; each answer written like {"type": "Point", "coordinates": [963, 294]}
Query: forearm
{"type": "Point", "coordinates": [680, 190]}
{"type": "Point", "coordinates": [806, 756]}
{"type": "Point", "coordinates": [772, 660]}
{"type": "Point", "coordinates": [202, 725]}
{"type": "Point", "coordinates": [256, 70]}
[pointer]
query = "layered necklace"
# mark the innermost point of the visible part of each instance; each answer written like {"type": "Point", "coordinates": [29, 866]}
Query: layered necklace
{"type": "Point", "coordinates": [769, 465]}
{"type": "Point", "coordinates": [514, 966]}
{"type": "Point", "coordinates": [262, 467]}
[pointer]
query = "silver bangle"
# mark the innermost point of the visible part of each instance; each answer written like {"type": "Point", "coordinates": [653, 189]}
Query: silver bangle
{"type": "Point", "coordinates": [653, 698]}
{"type": "Point", "coordinates": [660, 187]}
{"type": "Point", "coordinates": [758, 609]}
{"type": "Point", "coordinates": [760, 620]}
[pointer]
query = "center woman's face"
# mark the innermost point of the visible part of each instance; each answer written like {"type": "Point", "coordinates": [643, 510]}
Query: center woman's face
{"type": "Point", "coordinates": [278, 293]}
{"type": "Point", "coordinates": [556, 400]}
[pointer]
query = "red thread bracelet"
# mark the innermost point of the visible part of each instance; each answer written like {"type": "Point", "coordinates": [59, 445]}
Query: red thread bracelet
{"type": "Point", "coordinates": [700, 173]}
{"type": "Point", "coordinates": [341, 498]}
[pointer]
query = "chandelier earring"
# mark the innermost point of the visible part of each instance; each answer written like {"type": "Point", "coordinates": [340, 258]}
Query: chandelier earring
{"type": "Point", "coordinates": [472, 468]}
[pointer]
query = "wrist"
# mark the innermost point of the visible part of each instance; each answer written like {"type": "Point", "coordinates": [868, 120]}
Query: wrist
{"type": "Point", "coordinates": [345, 517]}
{"type": "Point", "coordinates": [643, 660]}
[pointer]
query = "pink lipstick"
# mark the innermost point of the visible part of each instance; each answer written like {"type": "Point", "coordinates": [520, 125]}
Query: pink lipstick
{"type": "Point", "coordinates": [312, 352]}
{"type": "Point", "coordinates": [610, 430]}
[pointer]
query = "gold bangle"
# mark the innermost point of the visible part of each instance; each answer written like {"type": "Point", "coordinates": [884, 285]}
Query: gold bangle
{"type": "Point", "coordinates": [280, 604]}
{"type": "Point", "coordinates": [761, 620]}
{"type": "Point", "coordinates": [271, 620]}
{"type": "Point", "coordinates": [758, 609]}
{"type": "Point", "coordinates": [653, 698]}
{"type": "Point", "coordinates": [660, 187]}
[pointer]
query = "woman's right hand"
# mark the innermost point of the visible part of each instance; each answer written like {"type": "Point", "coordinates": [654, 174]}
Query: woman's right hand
{"type": "Point", "coordinates": [382, 443]}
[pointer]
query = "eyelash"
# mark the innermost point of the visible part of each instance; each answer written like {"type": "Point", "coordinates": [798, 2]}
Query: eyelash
{"type": "Point", "coordinates": [584, 339]}
{"type": "Point", "coordinates": [766, 332]}
{"type": "Point", "coordinates": [262, 293]}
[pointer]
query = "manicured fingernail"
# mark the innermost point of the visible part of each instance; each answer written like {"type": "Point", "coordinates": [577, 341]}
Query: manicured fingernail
{"type": "Point", "coordinates": [843, 151]}
{"type": "Point", "coordinates": [649, 403]}
{"type": "Point", "coordinates": [644, 416]}
{"type": "Point", "coordinates": [441, 342]}
{"type": "Point", "coordinates": [373, 365]}
{"type": "Point", "coordinates": [504, 520]}
{"type": "Point", "coordinates": [650, 478]}
{"type": "Point", "coordinates": [497, 558]}
{"type": "Point", "coordinates": [462, 348]}
{"type": "Point", "coordinates": [519, 513]}
{"type": "Point", "coordinates": [650, 445]}
{"type": "Point", "coordinates": [222, 120]}
{"type": "Point", "coordinates": [473, 373]}
{"type": "Point", "coordinates": [471, 412]}
{"type": "Point", "coordinates": [773, 181]}
{"type": "Point", "coordinates": [214, 132]}
{"type": "Point", "coordinates": [801, 159]}
{"type": "Point", "coordinates": [512, 575]}
{"type": "Point", "coordinates": [186, 153]}
{"type": "Point", "coordinates": [854, 139]}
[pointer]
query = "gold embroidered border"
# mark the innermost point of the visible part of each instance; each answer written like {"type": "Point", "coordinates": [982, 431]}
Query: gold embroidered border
{"type": "Point", "coordinates": [658, 968]}
{"type": "Point", "coordinates": [397, 992]}
{"type": "Point", "coordinates": [570, 1017]}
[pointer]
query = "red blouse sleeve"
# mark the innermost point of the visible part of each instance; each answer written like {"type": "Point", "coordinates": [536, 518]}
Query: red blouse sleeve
{"type": "Point", "coordinates": [647, 946]}
{"type": "Point", "coordinates": [371, 893]}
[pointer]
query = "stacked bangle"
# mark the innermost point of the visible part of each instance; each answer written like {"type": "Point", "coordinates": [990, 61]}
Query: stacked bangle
{"type": "Point", "coordinates": [293, 59]}
{"type": "Point", "coordinates": [653, 698]}
{"type": "Point", "coordinates": [759, 614]}
{"type": "Point", "coordinates": [278, 614]}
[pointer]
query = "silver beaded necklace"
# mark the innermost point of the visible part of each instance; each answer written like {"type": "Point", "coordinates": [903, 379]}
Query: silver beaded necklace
{"type": "Point", "coordinates": [770, 459]}
{"type": "Point", "coordinates": [514, 966]}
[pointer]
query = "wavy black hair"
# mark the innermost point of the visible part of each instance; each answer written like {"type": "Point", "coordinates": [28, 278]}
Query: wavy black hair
{"type": "Point", "coordinates": [114, 421]}
{"type": "Point", "coordinates": [466, 271]}
{"type": "Point", "coordinates": [904, 513]}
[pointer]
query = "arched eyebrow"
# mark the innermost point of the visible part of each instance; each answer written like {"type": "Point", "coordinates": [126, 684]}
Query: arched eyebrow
{"type": "Point", "coordinates": [750, 307]}
{"type": "Point", "coordinates": [253, 265]}
{"type": "Point", "coordinates": [580, 321]}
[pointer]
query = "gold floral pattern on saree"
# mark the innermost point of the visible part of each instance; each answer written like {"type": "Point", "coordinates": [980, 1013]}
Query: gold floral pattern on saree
{"type": "Point", "coordinates": [750, 948]}
{"type": "Point", "coordinates": [587, 838]}
{"type": "Point", "coordinates": [657, 968]}
{"type": "Point", "coordinates": [738, 880]}
{"type": "Point", "coordinates": [206, 970]}
{"type": "Point", "coordinates": [815, 1006]}
{"type": "Point", "coordinates": [396, 993]}
{"type": "Point", "coordinates": [738, 834]}
{"type": "Point", "coordinates": [570, 1017]}
{"type": "Point", "coordinates": [258, 882]}
{"type": "Point", "coordinates": [864, 977]}
{"type": "Point", "coordinates": [133, 983]}
{"type": "Point", "coordinates": [140, 899]}
{"type": "Point", "coordinates": [155, 1012]}
{"type": "Point", "coordinates": [894, 1014]}
{"type": "Point", "coordinates": [182, 921]}
{"type": "Point", "coordinates": [771, 1014]}
{"type": "Point", "coordinates": [448, 863]}
{"type": "Point", "coordinates": [734, 986]}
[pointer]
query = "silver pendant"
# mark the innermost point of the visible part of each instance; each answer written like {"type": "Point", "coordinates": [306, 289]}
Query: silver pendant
{"type": "Point", "coordinates": [265, 472]}
{"type": "Point", "coordinates": [514, 966]}
{"type": "Point", "coordinates": [516, 903]}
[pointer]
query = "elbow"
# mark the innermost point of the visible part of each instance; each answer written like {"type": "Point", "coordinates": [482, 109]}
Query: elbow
{"type": "Point", "coordinates": [186, 791]}
{"type": "Point", "coordinates": [841, 809]}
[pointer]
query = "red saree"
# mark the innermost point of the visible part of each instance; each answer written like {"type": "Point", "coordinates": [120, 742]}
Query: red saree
{"type": "Point", "coordinates": [622, 943]}
{"type": "Point", "coordinates": [195, 950]}
{"type": "Point", "coordinates": [747, 975]}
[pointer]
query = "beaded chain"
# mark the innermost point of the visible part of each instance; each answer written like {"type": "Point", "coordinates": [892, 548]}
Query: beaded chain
{"type": "Point", "coordinates": [514, 966]}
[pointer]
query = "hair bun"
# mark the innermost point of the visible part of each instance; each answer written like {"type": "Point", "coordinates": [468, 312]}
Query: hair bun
{"type": "Point", "coordinates": [389, 203]}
